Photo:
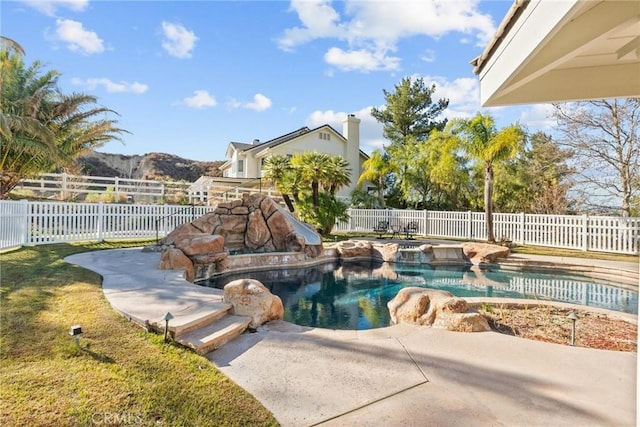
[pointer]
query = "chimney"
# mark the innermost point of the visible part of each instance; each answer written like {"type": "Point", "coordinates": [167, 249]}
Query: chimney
{"type": "Point", "coordinates": [351, 132]}
{"type": "Point", "coordinates": [256, 142]}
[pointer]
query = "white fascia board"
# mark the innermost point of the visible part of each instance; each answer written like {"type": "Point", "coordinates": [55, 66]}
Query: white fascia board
{"type": "Point", "coordinates": [528, 34]}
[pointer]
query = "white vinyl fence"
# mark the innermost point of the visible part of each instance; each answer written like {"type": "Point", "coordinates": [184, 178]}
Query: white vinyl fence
{"type": "Point", "coordinates": [33, 223]}
{"type": "Point", "coordinates": [582, 232]}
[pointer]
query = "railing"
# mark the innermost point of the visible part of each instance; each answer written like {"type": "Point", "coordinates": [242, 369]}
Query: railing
{"type": "Point", "coordinates": [34, 223]}
{"type": "Point", "coordinates": [79, 188]}
{"type": "Point", "coordinates": [582, 232]}
{"type": "Point", "coordinates": [28, 223]}
{"type": "Point", "coordinates": [568, 290]}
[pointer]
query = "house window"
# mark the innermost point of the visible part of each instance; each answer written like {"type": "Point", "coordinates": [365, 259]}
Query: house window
{"type": "Point", "coordinates": [325, 136]}
{"type": "Point", "coordinates": [240, 166]}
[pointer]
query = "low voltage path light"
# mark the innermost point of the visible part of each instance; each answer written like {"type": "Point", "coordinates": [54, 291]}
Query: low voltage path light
{"type": "Point", "coordinates": [167, 316]}
{"type": "Point", "coordinates": [573, 317]}
{"type": "Point", "coordinates": [75, 332]}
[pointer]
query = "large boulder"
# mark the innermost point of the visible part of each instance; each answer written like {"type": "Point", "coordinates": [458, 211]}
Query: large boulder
{"type": "Point", "coordinates": [175, 259]}
{"type": "Point", "coordinates": [354, 249]}
{"type": "Point", "coordinates": [436, 308]}
{"type": "Point", "coordinates": [480, 253]}
{"type": "Point", "coordinates": [251, 298]}
{"type": "Point", "coordinates": [199, 243]}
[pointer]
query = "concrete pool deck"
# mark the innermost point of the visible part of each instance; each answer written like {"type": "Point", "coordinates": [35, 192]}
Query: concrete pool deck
{"type": "Point", "coordinates": [395, 376]}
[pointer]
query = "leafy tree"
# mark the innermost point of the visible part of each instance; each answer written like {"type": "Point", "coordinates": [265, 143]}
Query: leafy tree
{"type": "Point", "coordinates": [338, 174]}
{"type": "Point", "coordinates": [311, 179]}
{"type": "Point", "coordinates": [604, 137]}
{"type": "Point", "coordinates": [323, 216]}
{"type": "Point", "coordinates": [42, 129]}
{"type": "Point", "coordinates": [410, 114]}
{"type": "Point", "coordinates": [375, 169]}
{"type": "Point", "coordinates": [410, 111]}
{"type": "Point", "coordinates": [547, 176]}
{"type": "Point", "coordinates": [275, 169]}
{"type": "Point", "coordinates": [312, 166]}
{"type": "Point", "coordinates": [484, 143]}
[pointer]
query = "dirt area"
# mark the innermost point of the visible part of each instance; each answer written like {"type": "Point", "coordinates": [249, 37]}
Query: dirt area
{"type": "Point", "coordinates": [550, 324]}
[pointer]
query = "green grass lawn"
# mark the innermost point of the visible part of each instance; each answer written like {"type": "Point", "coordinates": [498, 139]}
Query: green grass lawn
{"type": "Point", "coordinates": [119, 375]}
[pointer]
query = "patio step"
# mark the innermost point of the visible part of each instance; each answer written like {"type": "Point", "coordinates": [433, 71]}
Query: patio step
{"type": "Point", "coordinates": [215, 335]}
{"type": "Point", "coordinates": [203, 316]}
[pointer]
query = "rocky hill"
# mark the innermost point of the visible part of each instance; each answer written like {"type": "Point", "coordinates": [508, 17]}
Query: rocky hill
{"type": "Point", "coordinates": [156, 166]}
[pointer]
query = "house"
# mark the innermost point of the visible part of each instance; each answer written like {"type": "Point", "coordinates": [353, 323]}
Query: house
{"type": "Point", "coordinates": [245, 160]}
{"type": "Point", "coordinates": [550, 51]}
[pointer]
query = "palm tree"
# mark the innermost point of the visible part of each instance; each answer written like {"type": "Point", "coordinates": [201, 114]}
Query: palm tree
{"type": "Point", "coordinates": [313, 167]}
{"type": "Point", "coordinates": [9, 44]}
{"type": "Point", "coordinates": [42, 129]}
{"type": "Point", "coordinates": [275, 170]}
{"type": "Point", "coordinates": [339, 174]}
{"type": "Point", "coordinates": [484, 143]}
{"type": "Point", "coordinates": [375, 169]}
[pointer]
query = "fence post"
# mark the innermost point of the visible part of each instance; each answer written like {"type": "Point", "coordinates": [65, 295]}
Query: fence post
{"type": "Point", "coordinates": [426, 223]}
{"type": "Point", "coordinates": [585, 232]}
{"type": "Point", "coordinates": [100, 221]}
{"type": "Point", "coordinates": [63, 193]}
{"type": "Point", "coordinates": [349, 212]}
{"type": "Point", "coordinates": [523, 224]}
{"type": "Point", "coordinates": [469, 225]}
{"type": "Point", "coordinates": [26, 225]}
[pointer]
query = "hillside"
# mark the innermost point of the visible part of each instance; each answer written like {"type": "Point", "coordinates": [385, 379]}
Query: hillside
{"type": "Point", "coordinates": [149, 166]}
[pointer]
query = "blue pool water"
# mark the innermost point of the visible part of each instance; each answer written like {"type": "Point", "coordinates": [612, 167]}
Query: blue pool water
{"type": "Point", "coordinates": [355, 295]}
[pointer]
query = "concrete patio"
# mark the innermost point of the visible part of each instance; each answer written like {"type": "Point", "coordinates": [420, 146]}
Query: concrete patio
{"type": "Point", "coordinates": [398, 375]}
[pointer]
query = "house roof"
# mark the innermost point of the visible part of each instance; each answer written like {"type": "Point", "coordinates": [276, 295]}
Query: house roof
{"type": "Point", "coordinates": [547, 51]}
{"type": "Point", "coordinates": [281, 139]}
{"type": "Point", "coordinates": [244, 148]}
{"type": "Point", "coordinates": [277, 141]}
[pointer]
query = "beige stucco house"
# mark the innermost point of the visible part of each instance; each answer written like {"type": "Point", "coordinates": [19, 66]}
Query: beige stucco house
{"type": "Point", "coordinates": [245, 160]}
{"type": "Point", "coordinates": [243, 167]}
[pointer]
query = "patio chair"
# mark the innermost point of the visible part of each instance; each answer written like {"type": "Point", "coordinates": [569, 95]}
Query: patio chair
{"type": "Point", "coordinates": [411, 229]}
{"type": "Point", "coordinates": [395, 230]}
{"type": "Point", "coordinates": [381, 228]}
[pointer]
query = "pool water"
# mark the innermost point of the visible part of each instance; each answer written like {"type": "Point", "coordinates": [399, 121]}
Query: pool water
{"type": "Point", "coordinates": [355, 295]}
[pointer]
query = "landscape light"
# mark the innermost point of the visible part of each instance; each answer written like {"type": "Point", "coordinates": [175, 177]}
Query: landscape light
{"type": "Point", "coordinates": [573, 317]}
{"type": "Point", "coordinates": [167, 316]}
{"type": "Point", "coordinates": [75, 332]}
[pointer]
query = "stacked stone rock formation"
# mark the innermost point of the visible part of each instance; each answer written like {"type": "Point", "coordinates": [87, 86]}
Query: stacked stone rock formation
{"type": "Point", "coordinates": [254, 224]}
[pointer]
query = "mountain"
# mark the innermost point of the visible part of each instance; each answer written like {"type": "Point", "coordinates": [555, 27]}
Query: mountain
{"type": "Point", "coordinates": [155, 166]}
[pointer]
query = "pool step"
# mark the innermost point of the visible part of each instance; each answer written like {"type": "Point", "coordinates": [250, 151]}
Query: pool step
{"type": "Point", "coordinates": [216, 334]}
{"type": "Point", "coordinates": [201, 317]}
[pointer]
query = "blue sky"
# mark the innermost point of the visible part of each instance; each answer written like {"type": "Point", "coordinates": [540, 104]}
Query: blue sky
{"type": "Point", "coordinates": [188, 77]}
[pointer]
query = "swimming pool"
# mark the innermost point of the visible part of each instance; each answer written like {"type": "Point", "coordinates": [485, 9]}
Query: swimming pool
{"type": "Point", "coordinates": [355, 295]}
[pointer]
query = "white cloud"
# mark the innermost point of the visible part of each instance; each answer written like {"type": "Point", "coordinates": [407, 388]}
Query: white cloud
{"type": "Point", "coordinates": [362, 60]}
{"type": "Point", "coordinates": [111, 86]}
{"type": "Point", "coordinates": [370, 129]}
{"type": "Point", "coordinates": [77, 38]}
{"type": "Point", "coordinates": [260, 103]}
{"type": "Point", "coordinates": [200, 99]}
{"type": "Point", "coordinates": [429, 55]}
{"type": "Point", "coordinates": [463, 95]}
{"type": "Point", "coordinates": [49, 7]}
{"type": "Point", "coordinates": [376, 27]}
{"type": "Point", "coordinates": [538, 116]}
{"type": "Point", "coordinates": [179, 41]}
